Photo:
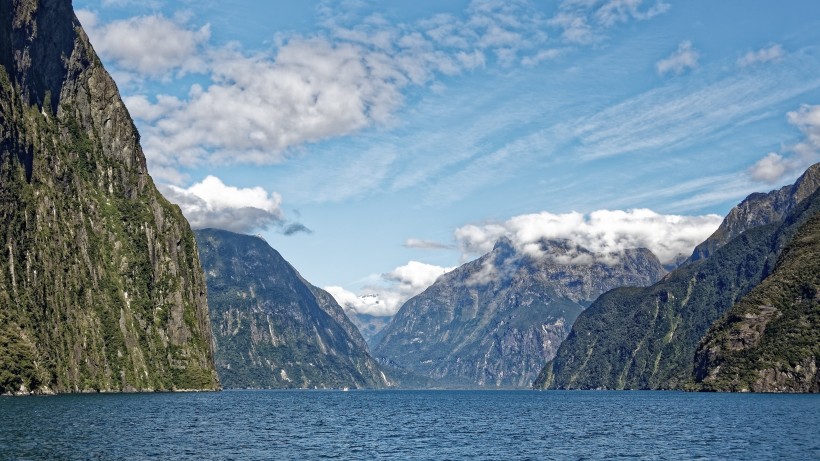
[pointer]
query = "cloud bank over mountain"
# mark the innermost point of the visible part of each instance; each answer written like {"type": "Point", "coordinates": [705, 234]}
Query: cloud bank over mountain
{"type": "Point", "coordinates": [601, 231]}
{"type": "Point", "coordinates": [389, 291]}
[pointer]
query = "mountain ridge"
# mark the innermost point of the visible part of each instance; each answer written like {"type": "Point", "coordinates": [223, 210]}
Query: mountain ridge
{"type": "Point", "coordinates": [759, 209]}
{"type": "Point", "coordinates": [770, 340]}
{"type": "Point", "coordinates": [272, 328]}
{"type": "Point", "coordinates": [646, 338]}
{"type": "Point", "coordinates": [494, 321]}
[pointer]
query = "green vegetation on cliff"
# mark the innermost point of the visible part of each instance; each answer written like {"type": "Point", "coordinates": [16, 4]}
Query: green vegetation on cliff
{"type": "Point", "coordinates": [100, 283]}
{"type": "Point", "coordinates": [646, 338]}
{"type": "Point", "coordinates": [273, 329]}
{"type": "Point", "coordinates": [770, 340]}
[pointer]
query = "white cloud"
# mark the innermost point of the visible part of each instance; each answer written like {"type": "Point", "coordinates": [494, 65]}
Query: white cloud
{"type": "Point", "coordinates": [685, 57]}
{"type": "Point", "coordinates": [776, 168]}
{"type": "Point", "coordinates": [141, 108]}
{"type": "Point", "coordinates": [415, 276]}
{"type": "Point", "coordinates": [807, 119]}
{"type": "Point", "coordinates": [768, 54]}
{"type": "Point", "coordinates": [575, 28]}
{"type": "Point", "coordinates": [211, 203]}
{"type": "Point", "coordinates": [392, 289]}
{"type": "Point", "coordinates": [602, 231]}
{"type": "Point", "coordinates": [425, 244]}
{"type": "Point", "coordinates": [586, 21]}
{"type": "Point", "coordinates": [149, 45]}
{"type": "Point", "coordinates": [770, 168]}
{"type": "Point", "coordinates": [258, 108]}
{"type": "Point", "coordinates": [152, 4]}
{"type": "Point", "coordinates": [612, 12]}
{"type": "Point", "coordinates": [543, 55]}
{"type": "Point", "coordinates": [359, 304]}
{"type": "Point", "coordinates": [667, 116]}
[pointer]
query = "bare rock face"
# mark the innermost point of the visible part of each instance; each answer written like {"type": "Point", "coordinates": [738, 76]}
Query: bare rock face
{"type": "Point", "coordinates": [759, 209]}
{"type": "Point", "coordinates": [495, 321]}
{"type": "Point", "coordinates": [100, 283]}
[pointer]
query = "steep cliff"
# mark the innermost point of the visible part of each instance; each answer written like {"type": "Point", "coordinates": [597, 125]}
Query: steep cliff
{"type": "Point", "coordinates": [272, 328]}
{"type": "Point", "coordinates": [495, 321]}
{"type": "Point", "coordinates": [100, 282]}
{"type": "Point", "coordinates": [770, 340]}
{"type": "Point", "coordinates": [759, 209]}
{"type": "Point", "coordinates": [646, 338]}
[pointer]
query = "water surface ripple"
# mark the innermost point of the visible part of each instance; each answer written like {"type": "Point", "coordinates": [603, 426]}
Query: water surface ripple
{"type": "Point", "coordinates": [440, 425]}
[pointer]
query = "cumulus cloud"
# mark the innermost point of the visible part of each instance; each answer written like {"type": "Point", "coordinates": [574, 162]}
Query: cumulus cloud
{"type": "Point", "coordinates": [807, 119]}
{"type": "Point", "coordinates": [359, 304]}
{"type": "Point", "coordinates": [258, 107]}
{"type": "Point", "coordinates": [149, 45]}
{"type": "Point", "coordinates": [776, 168]}
{"type": "Point", "coordinates": [142, 109]}
{"type": "Point", "coordinates": [768, 54]}
{"type": "Point", "coordinates": [770, 168]}
{"type": "Point", "coordinates": [392, 289]}
{"type": "Point", "coordinates": [685, 57]}
{"type": "Point", "coordinates": [415, 276]}
{"type": "Point", "coordinates": [602, 231]}
{"type": "Point", "coordinates": [211, 203]}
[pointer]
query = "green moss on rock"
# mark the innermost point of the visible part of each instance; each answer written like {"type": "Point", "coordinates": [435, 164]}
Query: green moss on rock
{"type": "Point", "coordinates": [100, 282]}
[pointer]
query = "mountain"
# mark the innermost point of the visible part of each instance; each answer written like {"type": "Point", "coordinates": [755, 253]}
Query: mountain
{"type": "Point", "coordinates": [759, 209]}
{"type": "Point", "coordinates": [770, 340]}
{"type": "Point", "coordinates": [272, 328]}
{"type": "Point", "coordinates": [495, 321]}
{"type": "Point", "coordinates": [646, 338]}
{"type": "Point", "coordinates": [100, 283]}
{"type": "Point", "coordinates": [368, 325]}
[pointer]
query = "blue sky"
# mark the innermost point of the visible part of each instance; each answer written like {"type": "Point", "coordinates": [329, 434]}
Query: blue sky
{"type": "Point", "coordinates": [378, 144]}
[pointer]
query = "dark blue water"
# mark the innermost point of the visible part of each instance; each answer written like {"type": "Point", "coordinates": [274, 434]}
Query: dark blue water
{"type": "Point", "coordinates": [470, 425]}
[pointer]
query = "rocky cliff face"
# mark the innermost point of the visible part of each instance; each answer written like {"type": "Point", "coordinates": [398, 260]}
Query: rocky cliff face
{"type": "Point", "coordinates": [759, 209]}
{"type": "Point", "coordinates": [272, 328]}
{"type": "Point", "coordinates": [646, 338]}
{"type": "Point", "coordinates": [495, 321]}
{"type": "Point", "coordinates": [100, 282]}
{"type": "Point", "coordinates": [770, 340]}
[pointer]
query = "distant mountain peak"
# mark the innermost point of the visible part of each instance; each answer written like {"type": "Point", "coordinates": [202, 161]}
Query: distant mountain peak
{"type": "Point", "coordinates": [503, 243]}
{"type": "Point", "coordinates": [496, 320]}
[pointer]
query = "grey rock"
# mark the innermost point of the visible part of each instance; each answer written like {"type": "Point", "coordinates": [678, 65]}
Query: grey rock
{"type": "Point", "coordinates": [495, 321]}
{"type": "Point", "coordinates": [272, 328]}
{"type": "Point", "coordinates": [759, 209]}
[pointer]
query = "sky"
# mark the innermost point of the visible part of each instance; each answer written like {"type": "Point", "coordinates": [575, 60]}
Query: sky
{"type": "Point", "coordinates": [378, 144]}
